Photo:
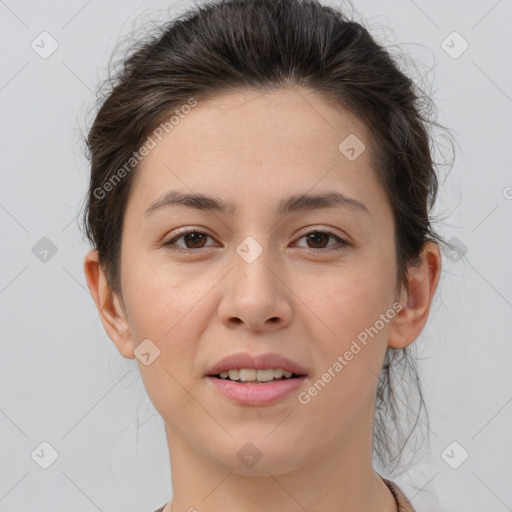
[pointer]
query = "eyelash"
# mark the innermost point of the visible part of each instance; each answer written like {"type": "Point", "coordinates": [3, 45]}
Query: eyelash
{"type": "Point", "coordinates": [343, 243]}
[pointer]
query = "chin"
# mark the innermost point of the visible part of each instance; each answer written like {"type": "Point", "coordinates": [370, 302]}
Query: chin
{"type": "Point", "coordinates": [259, 455]}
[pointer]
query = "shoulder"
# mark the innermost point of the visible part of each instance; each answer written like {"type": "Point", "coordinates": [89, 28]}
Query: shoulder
{"type": "Point", "coordinates": [403, 504]}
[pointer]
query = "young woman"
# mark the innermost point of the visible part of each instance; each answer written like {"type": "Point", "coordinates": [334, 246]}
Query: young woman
{"type": "Point", "coordinates": [261, 182]}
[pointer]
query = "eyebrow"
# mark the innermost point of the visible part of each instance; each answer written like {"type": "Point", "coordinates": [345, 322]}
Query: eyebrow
{"type": "Point", "coordinates": [295, 203]}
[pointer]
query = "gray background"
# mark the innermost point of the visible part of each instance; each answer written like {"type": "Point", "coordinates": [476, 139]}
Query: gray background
{"type": "Point", "coordinates": [62, 380]}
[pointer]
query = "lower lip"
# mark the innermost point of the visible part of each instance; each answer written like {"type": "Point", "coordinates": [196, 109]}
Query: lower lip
{"type": "Point", "coordinates": [257, 394]}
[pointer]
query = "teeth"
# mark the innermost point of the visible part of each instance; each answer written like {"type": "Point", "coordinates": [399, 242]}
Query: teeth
{"type": "Point", "coordinates": [249, 374]}
{"type": "Point", "coordinates": [278, 373]}
{"type": "Point", "coordinates": [246, 375]}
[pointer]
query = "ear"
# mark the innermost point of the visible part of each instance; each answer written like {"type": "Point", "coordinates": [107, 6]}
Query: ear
{"type": "Point", "coordinates": [109, 307]}
{"type": "Point", "coordinates": [417, 298]}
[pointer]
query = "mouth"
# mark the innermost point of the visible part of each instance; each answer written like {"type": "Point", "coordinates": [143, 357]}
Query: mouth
{"type": "Point", "coordinates": [246, 367]}
{"type": "Point", "coordinates": [253, 376]}
{"type": "Point", "coordinates": [255, 392]}
{"type": "Point", "coordinates": [256, 380]}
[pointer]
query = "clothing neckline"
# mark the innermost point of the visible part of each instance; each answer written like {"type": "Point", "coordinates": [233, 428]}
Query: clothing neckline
{"type": "Point", "coordinates": [402, 502]}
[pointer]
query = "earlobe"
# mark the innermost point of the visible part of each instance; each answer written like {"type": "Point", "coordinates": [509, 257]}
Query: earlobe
{"type": "Point", "coordinates": [109, 308]}
{"type": "Point", "coordinates": [417, 299]}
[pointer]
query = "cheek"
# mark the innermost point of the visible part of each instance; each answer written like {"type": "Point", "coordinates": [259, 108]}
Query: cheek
{"type": "Point", "coordinates": [157, 295]}
{"type": "Point", "coordinates": [163, 307]}
{"type": "Point", "coordinates": [351, 298]}
{"type": "Point", "coordinates": [353, 311]}
{"type": "Point", "coordinates": [349, 361]}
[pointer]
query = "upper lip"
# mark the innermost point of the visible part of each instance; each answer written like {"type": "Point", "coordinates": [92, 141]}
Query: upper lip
{"type": "Point", "coordinates": [257, 362]}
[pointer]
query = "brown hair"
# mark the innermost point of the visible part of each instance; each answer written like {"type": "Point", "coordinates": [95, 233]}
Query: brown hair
{"type": "Point", "coordinates": [229, 45]}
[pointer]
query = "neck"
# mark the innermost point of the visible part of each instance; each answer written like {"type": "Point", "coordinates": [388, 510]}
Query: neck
{"type": "Point", "coordinates": [341, 479]}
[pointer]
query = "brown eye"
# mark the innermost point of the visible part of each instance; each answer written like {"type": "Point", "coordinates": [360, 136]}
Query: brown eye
{"type": "Point", "coordinates": [318, 240]}
{"type": "Point", "coordinates": [192, 240]}
{"type": "Point", "coordinates": [196, 240]}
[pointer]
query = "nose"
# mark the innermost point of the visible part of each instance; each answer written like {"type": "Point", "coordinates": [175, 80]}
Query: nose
{"type": "Point", "coordinates": [255, 296]}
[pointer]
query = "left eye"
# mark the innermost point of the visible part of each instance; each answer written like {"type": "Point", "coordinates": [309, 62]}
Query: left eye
{"type": "Point", "coordinates": [319, 237]}
{"type": "Point", "coordinates": [196, 240]}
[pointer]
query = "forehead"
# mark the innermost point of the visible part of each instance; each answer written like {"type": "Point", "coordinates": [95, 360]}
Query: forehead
{"type": "Point", "coordinates": [286, 140]}
{"type": "Point", "coordinates": [248, 121]}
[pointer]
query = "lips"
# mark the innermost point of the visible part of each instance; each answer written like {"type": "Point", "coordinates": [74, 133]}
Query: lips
{"type": "Point", "coordinates": [257, 362]}
{"type": "Point", "coordinates": [257, 395]}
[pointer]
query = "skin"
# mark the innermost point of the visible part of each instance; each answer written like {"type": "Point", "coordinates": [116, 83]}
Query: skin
{"type": "Point", "coordinates": [304, 300]}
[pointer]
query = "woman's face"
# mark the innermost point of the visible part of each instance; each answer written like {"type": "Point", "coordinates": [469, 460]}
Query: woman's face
{"type": "Point", "coordinates": [265, 275]}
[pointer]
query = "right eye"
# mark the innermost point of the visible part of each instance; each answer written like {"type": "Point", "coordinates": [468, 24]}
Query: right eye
{"type": "Point", "coordinates": [192, 238]}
